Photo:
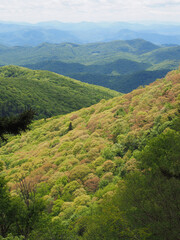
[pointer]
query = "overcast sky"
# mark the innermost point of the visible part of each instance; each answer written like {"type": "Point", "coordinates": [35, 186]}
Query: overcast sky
{"type": "Point", "coordinates": [90, 10]}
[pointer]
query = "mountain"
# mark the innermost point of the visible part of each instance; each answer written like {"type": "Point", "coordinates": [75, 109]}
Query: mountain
{"type": "Point", "coordinates": [122, 75]}
{"type": "Point", "coordinates": [34, 37]}
{"type": "Point", "coordinates": [108, 64]}
{"type": "Point", "coordinates": [124, 83]}
{"type": "Point", "coordinates": [126, 34]}
{"type": "Point", "coordinates": [162, 55]}
{"type": "Point", "coordinates": [94, 53]}
{"type": "Point", "coordinates": [47, 93]}
{"type": "Point", "coordinates": [121, 66]}
{"type": "Point", "coordinates": [121, 156]}
{"type": "Point", "coordinates": [137, 50]}
{"type": "Point", "coordinates": [86, 32]}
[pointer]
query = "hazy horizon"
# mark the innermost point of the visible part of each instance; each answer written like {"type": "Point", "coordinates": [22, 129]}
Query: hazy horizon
{"type": "Point", "coordinates": [96, 22]}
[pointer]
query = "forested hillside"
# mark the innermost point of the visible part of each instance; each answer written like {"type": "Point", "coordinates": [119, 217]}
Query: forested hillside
{"type": "Point", "coordinates": [92, 53]}
{"type": "Point", "coordinates": [109, 171]}
{"type": "Point", "coordinates": [126, 76]}
{"type": "Point", "coordinates": [49, 94]}
{"type": "Point", "coordinates": [118, 65]}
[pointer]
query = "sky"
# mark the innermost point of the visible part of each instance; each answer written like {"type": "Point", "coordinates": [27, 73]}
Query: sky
{"type": "Point", "coordinates": [34, 11]}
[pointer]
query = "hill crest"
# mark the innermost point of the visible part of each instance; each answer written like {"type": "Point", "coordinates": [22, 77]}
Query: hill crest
{"type": "Point", "coordinates": [46, 92]}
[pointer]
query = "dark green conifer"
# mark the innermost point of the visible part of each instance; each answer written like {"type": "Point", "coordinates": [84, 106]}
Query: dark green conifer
{"type": "Point", "coordinates": [16, 124]}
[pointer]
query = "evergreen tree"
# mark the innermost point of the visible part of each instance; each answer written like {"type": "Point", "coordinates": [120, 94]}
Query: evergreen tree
{"type": "Point", "coordinates": [16, 124]}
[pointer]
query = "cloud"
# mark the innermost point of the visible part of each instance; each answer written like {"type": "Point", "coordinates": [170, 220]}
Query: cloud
{"type": "Point", "coordinates": [161, 3]}
{"type": "Point", "coordinates": [89, 10]}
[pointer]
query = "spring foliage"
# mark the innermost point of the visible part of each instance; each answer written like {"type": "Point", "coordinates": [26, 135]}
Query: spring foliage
{"type": "Point", "coordinates": [114, 175]}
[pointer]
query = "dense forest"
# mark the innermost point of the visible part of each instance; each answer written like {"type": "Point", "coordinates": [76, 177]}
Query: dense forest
{"type": "Point", "coordinates": [122, 75]}
{"type": "Point", "coordinates": [118, 65]}
{"type": "Point", "coordinates": [47, 93]}
{"type": "Point", "coordinates": [109, 171]}
{"type": "Point", "coordinates": [123, 83]}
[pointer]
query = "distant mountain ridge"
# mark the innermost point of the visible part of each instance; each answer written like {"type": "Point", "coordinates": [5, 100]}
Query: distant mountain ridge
{"type": "Point", "coordinates": [97, 53]}
{"type": "Point", "coordinates": [119, 65]}
{"type": "Point", "coordinates": [21, 34]}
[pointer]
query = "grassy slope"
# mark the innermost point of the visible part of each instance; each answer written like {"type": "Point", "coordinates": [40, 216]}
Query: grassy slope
{"type": "Point", "coordinates": [83, 165]}
{"type": "Point", "coordinates": [48, 93]}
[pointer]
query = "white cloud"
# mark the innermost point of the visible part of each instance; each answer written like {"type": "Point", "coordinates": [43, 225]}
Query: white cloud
{"type": "Point", "coordinates": [161, 3]}
{"type": "Point", "coordinates": [89, 10]}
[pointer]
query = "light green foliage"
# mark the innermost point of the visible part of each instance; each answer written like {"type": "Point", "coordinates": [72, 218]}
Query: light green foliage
{"type": "Point", "coordinates": [82, 200]}
{"type": "Point", "coordinates": [77, 147]}
{"type": "Point", "coordinates": [69, 189]}
{"type": "Point", "coordinates": [57, 207]}
{"type": "Point", "coordinates": [86, 175]}
{"type": "Point", "coordinates": [79, 172]}
{"type": "Point", "coordinates": [110, 187]}
{"type": "Point", "coordinates": [108, 154]}
{"type": "Point", "coordinates": [108, 166]}
{"type": "Point", "coordinates": [11, 237]}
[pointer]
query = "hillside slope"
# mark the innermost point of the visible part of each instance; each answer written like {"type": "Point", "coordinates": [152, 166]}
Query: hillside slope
{"type": "Point", "coordinates": [47, 93]}
{"type": "Point", "coordinates": [124, 83]}
{"type": "Point", "coordinates": [121, 66]}
{"type": "Point", "coordinates": [122, 75]}
{"type": "Point", "coordinates": [109, 171]}
{"type": "Point", "coordinates": [100, 149]}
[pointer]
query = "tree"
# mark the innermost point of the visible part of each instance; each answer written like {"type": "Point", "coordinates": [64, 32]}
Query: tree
{"type": "Point", "coordinates": [10, 207]}
{"type": "Point", "coordinates": [146, 203]}
{"type": "Point", "coordinates": [151, 198]}
{"type": "Point", "coordinates": [19, 214]}
{"type": "Point", "coordinates": [31, 208]}
{"type": "Point", "coordinates": [16, 124]}
{"type": "Point", "coordinates": [7, 206]}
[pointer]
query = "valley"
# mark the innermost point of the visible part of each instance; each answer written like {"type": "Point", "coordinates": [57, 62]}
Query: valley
{"type": "Point", "coordinates": [118, 65]}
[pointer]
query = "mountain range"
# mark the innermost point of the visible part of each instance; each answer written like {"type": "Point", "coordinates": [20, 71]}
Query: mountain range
{"type": "Point", "coordinates": [20, 34]}
{"type": "Point", "coordinates": [119, 65]}
{"type": "Point", "coordinates": [96, 162]}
